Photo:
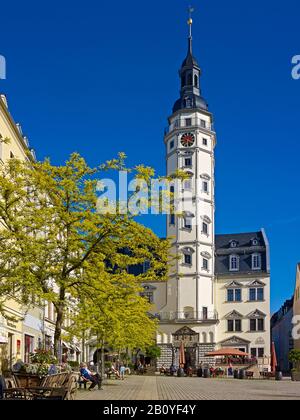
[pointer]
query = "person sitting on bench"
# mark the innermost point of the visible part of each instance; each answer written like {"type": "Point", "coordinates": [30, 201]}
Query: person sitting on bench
{"type": "Point", "coordinates": [87, 375]}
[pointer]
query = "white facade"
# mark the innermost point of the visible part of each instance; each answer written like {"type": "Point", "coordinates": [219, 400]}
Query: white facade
{"type": "Point", "coordinates": [197, 305]}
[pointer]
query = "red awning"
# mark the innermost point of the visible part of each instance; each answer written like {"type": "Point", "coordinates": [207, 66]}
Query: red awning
{"type": "Point", "coordinates": [227, 352]}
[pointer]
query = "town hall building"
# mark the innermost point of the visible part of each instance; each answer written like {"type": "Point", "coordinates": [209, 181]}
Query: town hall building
{"type": "Point", "coordinates": [218, 292]}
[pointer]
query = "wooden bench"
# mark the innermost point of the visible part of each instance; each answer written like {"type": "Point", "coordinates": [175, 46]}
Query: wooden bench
{"type": "Point", "coordinates": [62, 386]}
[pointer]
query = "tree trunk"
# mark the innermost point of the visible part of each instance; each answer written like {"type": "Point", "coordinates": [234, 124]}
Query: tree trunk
{"type": "Point", "coordinates": [57, 334]}
{"type": "Point", "coordinates": [59, 324]}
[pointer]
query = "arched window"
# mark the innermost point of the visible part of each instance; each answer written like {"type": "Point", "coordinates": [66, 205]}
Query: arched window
{"type": "Point", "coordinates": [182, 81]}
{"type": "Point", "coordinates": [190, 80]}
{"type": "Point", "coordinates": [204, 338]}
{"type": "Point", "coordinates": [196, 81]}
{"type": "Point", "coordinates": [211, 337]}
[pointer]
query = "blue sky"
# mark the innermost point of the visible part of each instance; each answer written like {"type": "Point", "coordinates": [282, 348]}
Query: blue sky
{"type": "Point", "coordinates": [99, 78]}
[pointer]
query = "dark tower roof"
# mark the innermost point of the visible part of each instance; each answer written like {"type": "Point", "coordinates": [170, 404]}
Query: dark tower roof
{"type": "Point", "coordinates": [190, 72]}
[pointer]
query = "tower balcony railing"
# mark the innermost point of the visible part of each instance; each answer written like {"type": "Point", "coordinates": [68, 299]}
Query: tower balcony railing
{"type": "Point", "coordinates": [188, 123]}
{"type": "Point", "coordinates": [200, 316]}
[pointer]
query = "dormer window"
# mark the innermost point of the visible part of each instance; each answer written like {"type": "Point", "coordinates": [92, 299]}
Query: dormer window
{"type": "Point", "coordinates": [256, 262]}
{"type": "Point", "coordinates": [254, 242]}
{"type": "Point", "coordinates": [233, 244]}
{"type": "Point", "coordinates": [234, 263]}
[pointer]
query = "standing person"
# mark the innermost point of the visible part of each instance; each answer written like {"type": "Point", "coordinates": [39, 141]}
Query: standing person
{"type": "Point", "coordinates": [122, 371]}
{"type": "Point", "coordinates": [200, 371]}
{"type": "Point", "coordinates": [89, 376]}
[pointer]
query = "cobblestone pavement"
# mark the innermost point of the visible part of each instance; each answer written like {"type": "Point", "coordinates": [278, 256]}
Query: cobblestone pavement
{"type": "Point", "coordinates": [139, 388]}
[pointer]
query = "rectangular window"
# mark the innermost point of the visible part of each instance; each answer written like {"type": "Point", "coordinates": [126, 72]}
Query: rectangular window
{"type": "Point", "coordinates": [230, 325]}
{"type": "Point", "coordinates": [230, 295]}
{"type": "Point", "coordinates": [188, 223]}
{"type": "Point", "coordinates": [188, 259]}
{"type": "Point", "coordinates": [261, 352]}
{"type": "Point", "coordinates": [48, 342]}
{"type": "Point", "coordinates": [188, 162]}
{"type": "Point", "coordinates": [254, 352]}
{"type": "Point", "coordinates": [238, 295]}
{"type": "Point", "coordinates": [205, 313]}
{"type": "Point", "coordinates": [205, 186]}
{"type": "Point", "coordinates": [205, 142]}
{"type": "Point", "coordinates": [261, 324]}
{"type": "Point", "coordinates": [252, 295]}
{"type": "Point", "coordinates": [238, 325]}
{"type": "Point", "coordinates": [203, 123]}
{"type": "Point", "coordinates": [256, 262]}
{"type": "Point", "coordinates": [252, 325]}
{"type": "Point", "coordinates": [172, 144]}
{"type": "Point", "coordinates": [172, 219]}
{"type": "Point", "coordinates": [234, 263]}
{"type": "Point", "coordinates": [260, 293]}
{"type": "Point", "coordinates": [205, 228]}
{"type": "Point", "coordinates": [256, 294]}
{"type": "Point", "coordinates": [188, 122]}
{"type": "Point", "coordinates": [205, 264]}
{"type": "Point", "coordinates": [29, 348]}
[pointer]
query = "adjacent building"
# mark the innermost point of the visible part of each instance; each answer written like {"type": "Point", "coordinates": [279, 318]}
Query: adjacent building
{"type": "Point", "coordinates": [282, 326]}
{"type": "Point", "coordinates": [32, 327]}
{"type": "Point", "coordinates": [297, 308]}
{"type": "Point", "coordinates": [20, 336]}
{"type": "Point", "coordinates": [285, 326]}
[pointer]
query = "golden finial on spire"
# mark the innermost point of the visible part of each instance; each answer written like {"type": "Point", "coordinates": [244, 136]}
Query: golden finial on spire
{"type": "Point", "coordinates": [190, 20]}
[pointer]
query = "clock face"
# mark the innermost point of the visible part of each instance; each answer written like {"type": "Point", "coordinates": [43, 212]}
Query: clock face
{"type": "Point", "coordinates": [188, 140]}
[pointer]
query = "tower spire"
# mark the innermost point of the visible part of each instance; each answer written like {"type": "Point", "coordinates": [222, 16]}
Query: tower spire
{"type": "Point", "coordinates": [190, 23]}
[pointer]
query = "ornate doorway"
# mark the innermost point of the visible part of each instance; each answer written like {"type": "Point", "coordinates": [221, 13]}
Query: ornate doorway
{"type": "Point", "coordinates": [190, 339]}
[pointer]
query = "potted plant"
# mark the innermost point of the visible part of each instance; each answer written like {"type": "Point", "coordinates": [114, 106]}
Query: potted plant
{"type": "Point", "coordinates": [31, 374]}
{"type": "Point", "coordinates": [294, 358]}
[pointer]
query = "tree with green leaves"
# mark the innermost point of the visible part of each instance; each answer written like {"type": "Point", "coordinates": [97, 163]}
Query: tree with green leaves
{"type": "Point", "coordinates": [55, 245]}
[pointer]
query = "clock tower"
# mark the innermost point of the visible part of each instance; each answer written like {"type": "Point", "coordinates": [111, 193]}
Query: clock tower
{"type": "Point", "coordinates": [218, 292]}
{"type": "Point", "coordinates": [190, 142]}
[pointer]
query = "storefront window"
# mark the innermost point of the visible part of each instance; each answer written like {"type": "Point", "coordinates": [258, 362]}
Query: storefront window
{"type": "Point", "coordinates": [29, 347]}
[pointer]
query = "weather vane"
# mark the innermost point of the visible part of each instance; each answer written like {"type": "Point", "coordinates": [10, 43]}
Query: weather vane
{"type": "Point", "coordinates": [191, 10]}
